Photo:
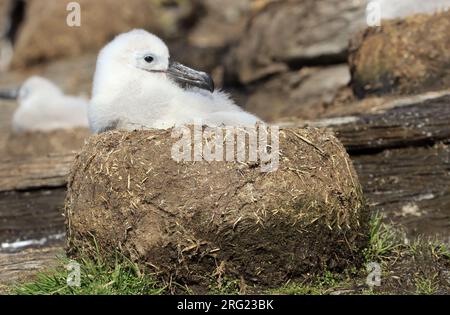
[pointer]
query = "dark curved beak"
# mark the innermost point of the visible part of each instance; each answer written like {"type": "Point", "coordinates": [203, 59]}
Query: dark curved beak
{"type": "Point", "coordinates": [12, 94]}
{"type": "Point", "coordinates": [188, 77]}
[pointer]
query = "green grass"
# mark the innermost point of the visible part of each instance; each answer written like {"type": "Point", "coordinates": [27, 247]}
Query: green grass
{"type": "Point", "coordinates": [440, 250]}
{"type": "Point", "coordinates": [97, 278]}
{"type": "Point", "coordinates": [425, 286]}
{"type": "Point", "coordinates": [323, 284]}
{"type": "Point", "coordinates": [225, 286]}
{"type": "Point", "coordinates": [384, 241]}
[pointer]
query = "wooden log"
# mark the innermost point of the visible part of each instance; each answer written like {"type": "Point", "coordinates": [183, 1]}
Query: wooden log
{"type": "Point", "coordinates": [31, 215]}
{"type": "Point", "coordinates": [408, 125]}
{"type": "Point", "coordinates": [35, 173]}
{"type": "Point", "coordinates": [20, 267]}
{"type": "Point", "coordinates": [32, 193]}
{"type": "Point", "coordinates": [412, 121]}
{"type": "Point", "coordinates": [410, 186]}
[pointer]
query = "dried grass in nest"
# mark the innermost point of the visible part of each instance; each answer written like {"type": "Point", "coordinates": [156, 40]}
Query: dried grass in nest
{"type": "Point", "coordinates": [183, 220]}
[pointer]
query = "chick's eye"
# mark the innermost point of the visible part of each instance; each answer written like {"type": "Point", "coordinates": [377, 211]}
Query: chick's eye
{"type": "Point", "coordinates": [148, 59]}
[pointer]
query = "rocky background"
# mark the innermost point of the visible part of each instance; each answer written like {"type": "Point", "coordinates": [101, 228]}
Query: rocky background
{"type": "Point", "coordinates": [383, 90]}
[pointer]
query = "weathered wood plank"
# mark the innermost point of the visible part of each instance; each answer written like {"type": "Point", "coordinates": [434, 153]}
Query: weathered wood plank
{"type": "Point", "coordinates": [31, 215]}
{"type": "Point", "coordinates": [35, 173]}
{"type": "Point", "coordinates": [395, 125]}
{"type": "Point", "coordinates": [19, 267]}
{"type": "Point", "coordinates": [410, 186]}
{"type": "Point", "coordinates": [411, 125]}
{"type": "Point", "coordinates": [32, 193]}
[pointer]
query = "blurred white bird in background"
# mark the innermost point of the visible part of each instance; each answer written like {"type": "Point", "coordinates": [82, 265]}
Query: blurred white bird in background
{"type": "Point", "coordinates": [44, 107]}
{"type": "Point", "coordinates": [137, 86]}
{"type": "Point", "coordinates": [391, 9]}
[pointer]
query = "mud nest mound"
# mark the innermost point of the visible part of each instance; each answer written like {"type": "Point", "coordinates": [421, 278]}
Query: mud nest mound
{"type": "Point", "coordinates": [190, 221]}
{"type": "Point", "coordinates": [402, 56]}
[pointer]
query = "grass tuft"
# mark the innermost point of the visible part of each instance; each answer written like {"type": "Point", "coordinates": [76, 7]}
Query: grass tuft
{"type": "Point", "coordinates": [97, 278]}
{"type": "Point", "coordinates": [384, 241]}
{"type": "Point", "coordinates": [426, 285]}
